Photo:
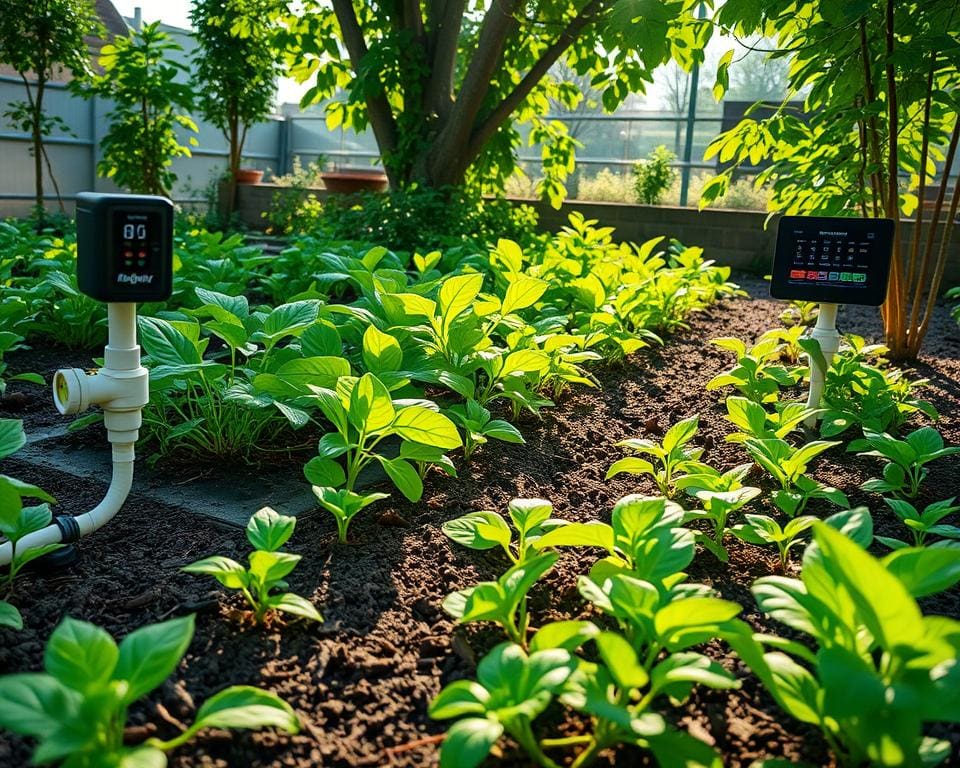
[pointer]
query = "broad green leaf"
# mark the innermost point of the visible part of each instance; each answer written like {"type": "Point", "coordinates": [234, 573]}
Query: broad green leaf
{"type": "Point", "coordinates": [423, 425]}
{"type": "Point", "coordinates": [80, 655]}
{"type": "Point", "coordinates": [680, 433]}
{"type": "Point", "coordinates": [632, 465]}
{"type": "Point", "coordinates": [288, 320]}
{"type": "Point", "coordinates": [686, 622]}
{"type": "Point", "coordinates": [371, 407]}
{"type": "Point", "coordinates": [35, 704]}
{"type": "Point", "coordinates": [10, 616]}
{"type": "Point", "coordinates": [925, 570]}
{"type": "Point", "coordinates": [295, 605]}
{"type": "Point", "coordinates": [468, 742]}
{"type": "Point", "coordinates": [243, 706]}
{"type": "Point", "coordinates": [226, 571]}
{"type": "Point", "coordinates": [479, 530]}
{"type": "Point", "coordinates": [527, 514]}
{"type": "Point", "coordinates": [851, 686]}
{"type": "Point", "coordinates": [267, 567]}
{"type": "Point", "coordinates": [461, 697]}
{"type": "Point", "coordinates": [521, 293]}
{"type": "Point", "coordinates": [149, 655]}
{"type": "Point", "coordinates": [268, 530]}
{"type": "Point", "coordinates": [324, 472]}
{"type": "Point", "coordinates": [621, 661]}
{"type": "Point", "coordinates": [404, 476]}
{"type": "Point", "coordinates": [457, 294]}
{"type": "Point", "coordinates": [525, 361]}
{"type": "Point", "coordinates": [381, 351]}
{"type": "Point", "coordinates": [568, 635]}
{"type": "Point", "coordinates": [165, 344]}
{"type": "Point", "coordinates": [12, 437]}
{"type": "Point", "coordinates": [593, 534]}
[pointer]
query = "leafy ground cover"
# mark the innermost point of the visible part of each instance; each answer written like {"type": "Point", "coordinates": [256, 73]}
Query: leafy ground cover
{"type": "Point", "coordinates": [363, 680]}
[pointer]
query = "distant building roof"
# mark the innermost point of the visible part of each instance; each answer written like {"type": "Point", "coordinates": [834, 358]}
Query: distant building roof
{"type": "Point", "coordinates": [111, 18]}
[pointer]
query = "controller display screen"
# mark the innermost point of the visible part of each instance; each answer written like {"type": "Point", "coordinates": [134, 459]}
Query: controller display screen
{"type": "Point", "coordinates": [136, 238]}
{"type": "Point", "coordinates": [829, 259]}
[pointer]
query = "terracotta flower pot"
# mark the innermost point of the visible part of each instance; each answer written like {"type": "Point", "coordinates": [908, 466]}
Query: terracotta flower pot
{"type": "Point", "coordinates": [347, 182]}
{"type": "Point", "coordinates": [249, 176]}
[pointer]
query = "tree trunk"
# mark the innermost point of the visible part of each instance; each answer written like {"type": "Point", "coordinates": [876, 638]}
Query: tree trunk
{"type": "Point", "coordinates": [38, 153]}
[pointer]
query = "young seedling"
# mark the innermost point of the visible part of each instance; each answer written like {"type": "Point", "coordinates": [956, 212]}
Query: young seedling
{"type": "Point", "coordinates": [787, 465]}
{"type": "Point", "coordinates": [503, 601]}
{"type": "Point", "coordinates": [907, 459]}
{"type": "Point", "coordinates": [718, 506]}
{"type": "Point", "coordinates": [671, 456]}
{"type": "Point", "coordinates": [17, 520]}
{"type": "Point", "coordinates": [364, 415]}
{"type": "Point", "coordinates": [76, 708]}
{"type": "Point", "coordinates": [922, 524]}
{"type": "Point", "coordinates": [758, 374]}
{"type": "Point", "coordinates": [753, 420]}
{"type": "Point", "coordinates": [487, 530]}
{"type": "Point", "coordinates": [764, 530]}
{"type": "Point", "coordinates": [267, 531]}
{"type": "Point", "coordinates": [478, 426]}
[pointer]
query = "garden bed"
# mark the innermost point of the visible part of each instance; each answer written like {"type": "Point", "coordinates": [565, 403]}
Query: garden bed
{"type": "Point", "coordinates": [362, 680]}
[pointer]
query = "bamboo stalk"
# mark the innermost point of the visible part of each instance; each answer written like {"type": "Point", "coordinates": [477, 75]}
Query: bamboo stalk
{"type": "Point", "coordinates": [922, 186]}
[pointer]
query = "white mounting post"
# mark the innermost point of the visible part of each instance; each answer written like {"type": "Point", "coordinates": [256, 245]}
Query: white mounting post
{"type": "Point", "coordinates": [121, 387]}
{"type": "Point", "coordinates": [826, 335]}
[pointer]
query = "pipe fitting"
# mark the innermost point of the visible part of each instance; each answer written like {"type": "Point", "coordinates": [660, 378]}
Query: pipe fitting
{"type": "Point", "coordinates": [74, 390]}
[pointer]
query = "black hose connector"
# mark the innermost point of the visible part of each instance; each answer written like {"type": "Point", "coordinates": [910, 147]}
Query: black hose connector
{"type": "Point", "coordinates": [69, 528]}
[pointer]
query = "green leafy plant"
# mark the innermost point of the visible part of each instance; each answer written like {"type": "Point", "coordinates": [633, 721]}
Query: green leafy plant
{"type": "Point", "coordinates": [867, 393]}
{"type": "Point", "coordinates": [16, 520]}
{"type": "Point", "coordinates": [787, 465]}
{"type": "Point", "coordinates": [758, 374]}
{"type": "Point", "coordinates": [363, 415]}
{"type": "Point", "coordinates": [503, 601]}
{"type": "Point", "coordinates": [645, 538]}
{"type": "Point", "coordinates": [755, 421]}
{"type": "Point", "coordinates": [10, 341]}
{"type": "Point", "coordinates": [267, 531]}
{"type": "Point", "coordinates": [488, 530]}
{"type": "Point", "coordinates": [77, 707]}
{"type": "Point", "coordinates": [764, 530]}
{"type": "Point", "coordinates": [479, 426]}
{"type": "Point", "coordinates": [140, 78]}
{"type": "Point", "coordinates": [878, 669]}
{"type": "Point", "coordinates": [922, 524]}
{"type": "Point", "coordinates": [672, 457]}
{"type": "Point", "coordinates": [720, 495]}
{"type": "Point", "coordinates": [653, 176]}
{"type": "Point", "coordinates": [907, 459]}
{"type": "Point", "coordinates": [798, 312]}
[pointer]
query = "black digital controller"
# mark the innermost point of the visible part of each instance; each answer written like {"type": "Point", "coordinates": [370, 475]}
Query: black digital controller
{"type": "Point", "coordinates": [833, 260]}
{"type": "Point", "coordinates": [124, 247]}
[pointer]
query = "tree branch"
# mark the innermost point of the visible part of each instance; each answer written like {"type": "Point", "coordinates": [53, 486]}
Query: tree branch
{"type": "Point", "coordinates": [498, 23]}
{"type": "Point", "coordinates": [536, 73]}
{"type": "Point", "coordinates": [378, 108]}
{"type": "Point", "coordinates": [438, 95]}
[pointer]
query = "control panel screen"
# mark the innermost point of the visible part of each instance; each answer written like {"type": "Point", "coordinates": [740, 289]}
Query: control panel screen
{"type": "Point", "coordinates": [136, 237]}
{"type": "Point", "coordinates": [832, 259]}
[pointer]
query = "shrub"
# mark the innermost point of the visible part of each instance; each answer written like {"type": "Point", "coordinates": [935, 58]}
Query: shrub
{"type": "Point", "coordinates": [653, 176]}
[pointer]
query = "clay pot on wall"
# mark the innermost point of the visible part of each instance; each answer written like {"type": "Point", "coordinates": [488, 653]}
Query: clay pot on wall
{"type": "Point", "coordinates": [349, 181]}
{"type": "Point", "coordinates": [249, 176]}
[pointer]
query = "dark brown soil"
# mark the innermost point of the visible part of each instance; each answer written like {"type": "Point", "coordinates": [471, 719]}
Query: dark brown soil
{"type": "Point", "coordinates": [361, 682]}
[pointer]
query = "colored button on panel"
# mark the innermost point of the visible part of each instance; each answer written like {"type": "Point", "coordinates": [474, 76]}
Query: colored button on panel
{"type": "Point", "coordinates": [823, 275]}
{"type": "Point", "coordinates": [846, 277]}
{"type": "Point", "coordinates": [797, 274]}
{"type": "Point", "coordinates": [834, 276]}
{"type": "Point", "coordinates": [860, 277]}
{"type": "Point", "coordinates": [812, 275]}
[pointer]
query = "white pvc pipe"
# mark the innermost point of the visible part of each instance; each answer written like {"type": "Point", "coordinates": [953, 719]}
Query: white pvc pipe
{"type": "Point", "coordinates": [88, 522]}
{"type": "Point", "coordinates": [121, 386]}
{"type": "Point", "coordinates": [826, 335]}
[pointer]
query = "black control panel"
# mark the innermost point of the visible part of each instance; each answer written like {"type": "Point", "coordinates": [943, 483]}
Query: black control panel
{"type": "Point", "coordinates": [832, 259]}
{"type": "Point", "coordinates": [124, 247]}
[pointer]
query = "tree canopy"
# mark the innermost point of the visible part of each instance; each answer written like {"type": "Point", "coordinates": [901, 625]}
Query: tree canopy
{"type": "Point", "coordinates": [446, 85]}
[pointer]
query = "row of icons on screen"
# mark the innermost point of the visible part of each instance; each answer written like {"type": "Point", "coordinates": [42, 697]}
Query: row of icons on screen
{"type": "Point", "coordinates": [843, 277]}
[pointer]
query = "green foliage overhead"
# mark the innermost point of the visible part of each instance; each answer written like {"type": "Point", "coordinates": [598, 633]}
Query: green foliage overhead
{"type": "Point", "coordinates": [444, 86]}
{"type": "Point", "coordinates": [139, 76]}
